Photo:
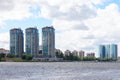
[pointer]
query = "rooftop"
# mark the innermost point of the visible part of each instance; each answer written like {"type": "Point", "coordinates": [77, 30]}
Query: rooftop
{"type": "Point", "coordinates": [15, 29]}
{"type": "Point", "coordinates": [31, 28]}
{"type": "Point", "coordinates": [48, 27]}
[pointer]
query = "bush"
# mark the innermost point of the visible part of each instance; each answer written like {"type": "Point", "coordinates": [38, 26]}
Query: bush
{"type": "Point", "coordinates": [16, 55]}
{"type": "Point", "coordinates": [106, 59]}
{"type": "Point", "coordinates": [23, 56]}
{"type": "Point", "coordinates": [88, 59]}
{"type": "Point", "coordinates": [15, 59]}
{"type": "Point", "coordinates": [29, 57]}
{"type": "Point", "coordinates": [2, 55]}
{"type": "Point", "coordinates": [3, 59]}
{"type": "Point", "coordinates": [10, 55]}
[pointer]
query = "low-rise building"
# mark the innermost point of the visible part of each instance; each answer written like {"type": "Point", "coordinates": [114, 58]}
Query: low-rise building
{"type": "Point", "coordinates": [4, 51]}
{"type": "Point", "coordinates": [81, 54]}
{"type": "Point", "coordinates": [67, 53]}
{"type": "Point", "coordinates": [91, 55]}
{"type": "Point", "coordinates": [75, 53]}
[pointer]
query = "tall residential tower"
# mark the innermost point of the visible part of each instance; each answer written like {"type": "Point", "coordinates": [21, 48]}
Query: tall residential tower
{"type": "Point", "coordinates": [32, 41]}
{"type": "Point", "coordinates": [48, 41]}
{"type": "Point", "coordinates": [16, 42]}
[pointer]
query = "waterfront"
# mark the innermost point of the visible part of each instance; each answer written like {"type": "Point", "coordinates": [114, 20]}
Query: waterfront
{"type": "Point", "coordinates": [60, 71]}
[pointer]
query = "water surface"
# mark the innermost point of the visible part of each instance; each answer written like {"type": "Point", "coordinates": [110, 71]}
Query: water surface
{"type": "Point", "coordinates": [60, 71]}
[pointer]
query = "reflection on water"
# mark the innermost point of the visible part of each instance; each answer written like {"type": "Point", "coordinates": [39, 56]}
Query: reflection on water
{"type": "Point", "coordinates": [59, 71]}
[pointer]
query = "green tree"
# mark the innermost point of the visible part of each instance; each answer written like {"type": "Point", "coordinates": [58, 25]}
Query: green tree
{"type": "Point", "coordinates": [2, 55]}
{"type": "Point", "coordinates": [106, 59]}
{"type": "Point", "coordinates": [23, 56]}
{"type": "Point", "coordinates": [59, 53]}
{"type": "Point", "coordinates": [29, 57]}
{"type": "Point", "coordinates": [11, 55]}
{"type": "Point", "coordinates": [66, 57]}
{"type": "Point", "coordinates": [75, 58]}
{"type": "Point", "coordinates": [71, 57]}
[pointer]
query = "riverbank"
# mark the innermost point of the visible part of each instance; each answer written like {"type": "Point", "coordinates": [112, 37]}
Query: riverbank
{"type": "Point", "coordinates": [14, 60]}
{"type": "Point", "coordinates": [17, 59]}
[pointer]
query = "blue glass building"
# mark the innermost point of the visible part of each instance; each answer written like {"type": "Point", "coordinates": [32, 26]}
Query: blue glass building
{"type": "Point", "coordinates": [102, 51]}
{"type": "Point", "coordinates": [108, 51]}
{"type": "Point", "coordinates": [32, 41]}
{"type": "Point", "coordinates": [113, 50]}
{"type": "Point", "coordinates": [16, 42]}
{"type": "Point", "coordinates": [48, 41]}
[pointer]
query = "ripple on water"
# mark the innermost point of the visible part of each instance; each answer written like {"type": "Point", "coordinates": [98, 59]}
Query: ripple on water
{"type": "Point", "coordinates": [59, 71]}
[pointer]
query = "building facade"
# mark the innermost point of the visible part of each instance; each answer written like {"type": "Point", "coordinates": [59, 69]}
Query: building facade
{"type": "Point", "coordinates": [113, 50]}
{"type": "Point", "coordinates": [67, 53]}
{"type": "Point", "coordinates": [48, 41]}
{"type": "Point", "coordinates": [108, 51]}
{"type": "Point", "coordinates": [81, 54]}
{"type": "Point", "coordinates": [4, 51]}
{"type": "Point", "coordinates": [75, 53]}
{"type": "Point", "coordinates": [91, 55]}
{"type": "Point", "coordinates": [16, 42]}
{"type": "Point", "coordinates": [32, 41]}
{"type": "Point", "coordinates": [102, 51]}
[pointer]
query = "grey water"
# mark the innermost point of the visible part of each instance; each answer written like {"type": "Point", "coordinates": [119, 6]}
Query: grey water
{"type": "Point", "coordinates": [59, 71]}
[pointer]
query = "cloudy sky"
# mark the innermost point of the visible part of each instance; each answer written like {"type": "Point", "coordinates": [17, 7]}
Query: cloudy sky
{"type": "Point", "coordinates": [79, 24]}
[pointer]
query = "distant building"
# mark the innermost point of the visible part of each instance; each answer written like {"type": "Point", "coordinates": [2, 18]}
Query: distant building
{"type": "Point", "coordinates": [81, 54]}
{"type": "Point", "coordinates": [108, 51]}
{"type": "Point", "coordinates": [102, 51]}
{"type": "Point", "coordinates": [75, 53]}
{"type": "Point", "coordinates": [91, 55]}
{"type": "Point", "coordinates": [67, 52]}
{"type": "Point", "coordinates": [48, 41]}
{"type": "Point", "coordinates": [16, 42]}
{"type": "Point", "coordinates": [32, 41]}
{"type": "Point", "coordinates": [4, 51]}
{"type": "Point", "coordinates": [113, 50]}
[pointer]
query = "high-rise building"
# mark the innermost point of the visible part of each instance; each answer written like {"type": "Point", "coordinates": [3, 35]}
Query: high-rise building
{"type": "Point", "coordinates": [113, 50]}
{"type": "Point", "coordinates": [16, 42]}
{"type": "Point", "coordinates": [32, 41]}
{"type": "Point", "coordinates": [102, 51]}
{"type": "Point", "coordinates": [48, 41]}
{"type": "Point", "coordinates": [108, 51]}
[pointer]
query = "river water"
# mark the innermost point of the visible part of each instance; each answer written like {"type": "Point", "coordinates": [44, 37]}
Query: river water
{"type": "Point", "coordinates": [60, 71]}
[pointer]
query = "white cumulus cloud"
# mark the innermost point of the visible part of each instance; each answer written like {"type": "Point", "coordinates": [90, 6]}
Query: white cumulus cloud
{"type": "Point", "coordinates": [79, 24]}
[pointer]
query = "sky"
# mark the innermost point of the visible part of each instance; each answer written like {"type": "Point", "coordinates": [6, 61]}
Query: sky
{"type": "Point", "coordinates": [79, 24]}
